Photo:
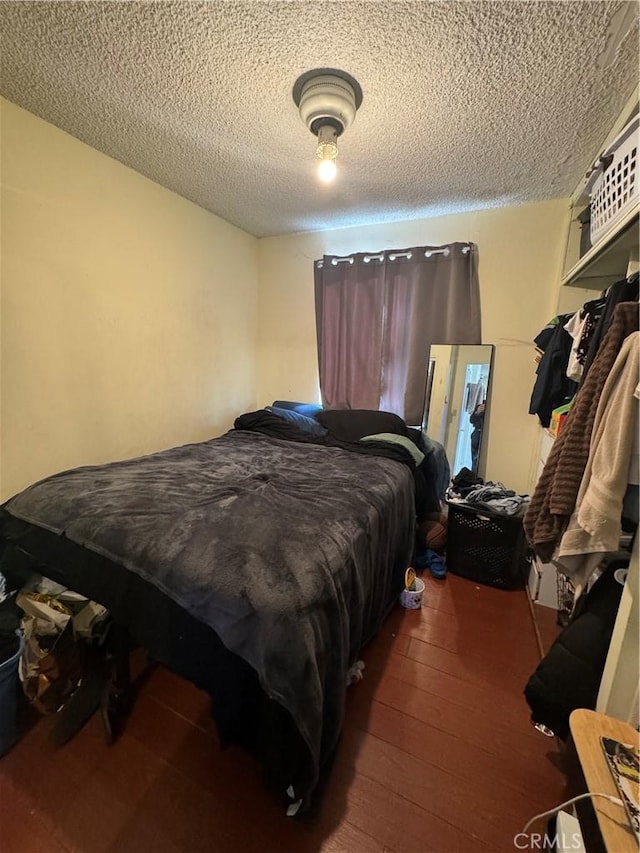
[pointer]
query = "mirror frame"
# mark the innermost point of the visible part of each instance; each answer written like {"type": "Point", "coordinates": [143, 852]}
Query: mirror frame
{"type": "Point", "coordinates": [481, 459]}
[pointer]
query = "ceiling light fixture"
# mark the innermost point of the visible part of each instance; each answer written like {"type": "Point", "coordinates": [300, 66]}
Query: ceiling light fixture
{"type": "Point", "coordinates": [327, 100]}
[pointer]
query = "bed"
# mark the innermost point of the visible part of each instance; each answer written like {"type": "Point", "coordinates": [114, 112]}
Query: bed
{"type": "Point", "coordinates": [256, 565]}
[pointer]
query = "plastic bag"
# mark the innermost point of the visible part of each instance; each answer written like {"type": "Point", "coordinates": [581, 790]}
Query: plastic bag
{"type": "Point", "coordinates": [56, 622]}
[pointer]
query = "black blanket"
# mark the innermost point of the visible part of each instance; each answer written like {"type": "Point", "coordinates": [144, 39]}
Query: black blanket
{"type": "Point", "coordinates": [285, 548]}
{"type": "Point", "coordinates": [425, 475]}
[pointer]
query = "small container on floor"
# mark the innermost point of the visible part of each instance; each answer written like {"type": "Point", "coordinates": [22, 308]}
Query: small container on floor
{"type": "Point", "coordinates": [412, 598]}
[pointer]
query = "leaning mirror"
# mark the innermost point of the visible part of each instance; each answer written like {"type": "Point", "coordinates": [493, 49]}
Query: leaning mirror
{"type": "Point", "coordinates": [456, 399]}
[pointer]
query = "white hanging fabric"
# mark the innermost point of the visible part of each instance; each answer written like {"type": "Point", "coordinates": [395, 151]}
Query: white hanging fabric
{"type": "Point", "coordinates": [594, 527]}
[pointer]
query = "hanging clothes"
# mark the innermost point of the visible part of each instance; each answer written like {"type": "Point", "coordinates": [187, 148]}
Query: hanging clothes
{"type": "Point", "coordinates": [592, 313]}
{"type": "Point", "coordinates": [631, 500]}
{"type": "Point", "coordinates": [552, 387]}
{"type": "Point", "coordinates": [569, 675]}
{"type": "Point", "coordinates": [625, 290]}
{"type": "Point", "coordinates": [582, 327]}
{"type": "Point", "coordinates": [575, 327]}
{"type": "Point", "coordinates": [554, 498]}
{"type": "Point", "coordinates": [595, 526]}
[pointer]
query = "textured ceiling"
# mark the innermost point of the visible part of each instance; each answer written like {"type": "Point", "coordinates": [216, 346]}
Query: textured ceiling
{"type": "Point", "coordinates": [466, 104]}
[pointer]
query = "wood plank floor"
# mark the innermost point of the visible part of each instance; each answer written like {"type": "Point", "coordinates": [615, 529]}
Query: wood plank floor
{"type": "Point", "coordinates": [437, 754]}
{"type": "Point", "coordinates": [547, 622]}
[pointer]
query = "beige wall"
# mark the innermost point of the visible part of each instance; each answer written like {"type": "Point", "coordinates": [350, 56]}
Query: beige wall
{"type": "Point", "coordinates": [520, 251]}
{"type": "Point", "coordinates": [129, 315]}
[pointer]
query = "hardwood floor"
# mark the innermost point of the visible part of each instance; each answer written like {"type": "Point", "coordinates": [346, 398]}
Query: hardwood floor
{"type": "Point", "coordinates": [547, 623]}
{"type": "Point", "coordinates": [437, 754]}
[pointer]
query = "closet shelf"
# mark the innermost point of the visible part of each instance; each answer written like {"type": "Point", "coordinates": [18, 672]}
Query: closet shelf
{"type": "Point", "coordinates": [607, 261]}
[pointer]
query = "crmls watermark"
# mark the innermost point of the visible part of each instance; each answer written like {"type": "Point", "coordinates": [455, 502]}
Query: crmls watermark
{"type": "Point", "coordinates": [540, 841]}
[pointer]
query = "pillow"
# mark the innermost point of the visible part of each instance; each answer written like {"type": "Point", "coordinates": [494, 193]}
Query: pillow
{"type": "Point", "coordinates": [353, 424]}
{"type": "Point", "coordinates": [308, 425]}
{"type": "Point", "coordinates": [308, 409]}
{"type": "Point", "coordinates": [402, 440]}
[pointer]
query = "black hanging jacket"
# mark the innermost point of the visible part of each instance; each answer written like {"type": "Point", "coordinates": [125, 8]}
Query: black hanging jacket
{"type": "Point", "coordinates": [625, 290]}
{"type": "Point", "coordinates": [552, 387]}
{"type": "Point", "coordinates": [569, 675]}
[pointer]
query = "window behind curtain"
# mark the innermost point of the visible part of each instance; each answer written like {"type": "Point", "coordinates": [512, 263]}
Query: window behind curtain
{"type": "Point", "coordinates": [377, 316]}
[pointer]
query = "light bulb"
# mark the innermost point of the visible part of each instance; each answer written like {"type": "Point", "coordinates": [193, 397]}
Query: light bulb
{"type": "Point", "coordinates": [327, 170]}
{"type": "Point", "coordinates": [326, 152]}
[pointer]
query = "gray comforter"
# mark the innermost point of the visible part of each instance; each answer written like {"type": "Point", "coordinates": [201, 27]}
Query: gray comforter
{"type": "Point", "coordinates": [286, 550]}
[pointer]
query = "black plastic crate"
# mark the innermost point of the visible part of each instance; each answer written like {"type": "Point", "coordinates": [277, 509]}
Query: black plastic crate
{"type": "Point", "coordinates": [486, 547]}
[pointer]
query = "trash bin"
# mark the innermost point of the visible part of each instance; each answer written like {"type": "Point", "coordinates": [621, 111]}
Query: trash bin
{"type": "Point", "coordinates": [8, 695]}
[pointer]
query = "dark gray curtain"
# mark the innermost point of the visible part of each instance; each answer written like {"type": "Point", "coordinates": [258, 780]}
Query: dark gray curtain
{"type": "Point", "coordinates": [350, 299]}
{"type": "Point", "coordinates": [377, 316]}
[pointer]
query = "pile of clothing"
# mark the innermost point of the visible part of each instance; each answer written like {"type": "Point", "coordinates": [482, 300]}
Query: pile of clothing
{"type": "Point", "coordinates": [467, 488]}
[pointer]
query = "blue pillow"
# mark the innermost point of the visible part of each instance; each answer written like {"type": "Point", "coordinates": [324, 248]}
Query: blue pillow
{"type": "Point", "coordinates": [305, 424]}
{"type": "Point", "coordinates": [308, 409]}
